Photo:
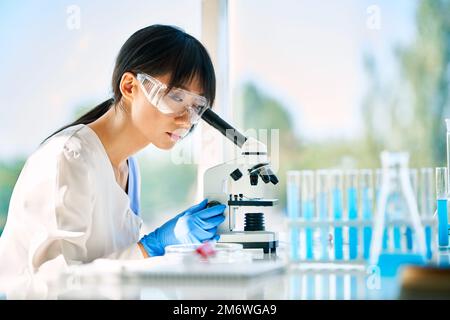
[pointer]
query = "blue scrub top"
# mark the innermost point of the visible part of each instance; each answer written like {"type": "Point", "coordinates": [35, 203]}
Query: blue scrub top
{"type": "Point", "coordinates": [134, 185]}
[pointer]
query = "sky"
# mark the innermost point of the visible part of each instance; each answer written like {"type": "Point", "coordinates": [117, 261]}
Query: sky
{"type": "Point", "coordinates": [306, 53]}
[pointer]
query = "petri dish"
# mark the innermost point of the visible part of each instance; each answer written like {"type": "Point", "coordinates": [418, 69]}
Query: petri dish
{"type": "Point", "coordinates": [190, 248]}
{"type": "Point", "coordinates": [223, 253]}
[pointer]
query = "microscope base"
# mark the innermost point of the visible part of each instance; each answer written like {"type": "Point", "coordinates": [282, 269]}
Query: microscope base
{"type": "Point", "coordinates": [268, 241]}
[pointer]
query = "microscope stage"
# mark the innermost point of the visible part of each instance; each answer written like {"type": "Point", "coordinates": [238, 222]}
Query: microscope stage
{"type": "Point", "coordinates": [265, 240]}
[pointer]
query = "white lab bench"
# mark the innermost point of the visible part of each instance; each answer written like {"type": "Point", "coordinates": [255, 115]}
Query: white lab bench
{"type": "Point", "coordinates": [333, 282]}
{"type": "Point", "coordinates": [288, 286]}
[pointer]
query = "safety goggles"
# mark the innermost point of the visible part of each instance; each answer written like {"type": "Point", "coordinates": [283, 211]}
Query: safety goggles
{"type": "Point", "coordinates": [177, 102]}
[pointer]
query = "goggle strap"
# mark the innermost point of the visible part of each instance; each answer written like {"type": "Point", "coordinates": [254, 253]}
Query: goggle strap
{"type": "Point", "coordinates": [155, 94]}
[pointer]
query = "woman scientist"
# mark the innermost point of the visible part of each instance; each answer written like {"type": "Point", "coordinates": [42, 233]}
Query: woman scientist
{"type": "Point", "coordinates": [77, 197]}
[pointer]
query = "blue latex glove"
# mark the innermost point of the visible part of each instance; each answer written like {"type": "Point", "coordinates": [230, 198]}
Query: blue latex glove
{"type": "Point", "coordinates": [195, 225]}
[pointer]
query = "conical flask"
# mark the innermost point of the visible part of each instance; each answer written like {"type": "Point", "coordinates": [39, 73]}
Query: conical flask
{"type": "Point", "coordinates": [397, 217]}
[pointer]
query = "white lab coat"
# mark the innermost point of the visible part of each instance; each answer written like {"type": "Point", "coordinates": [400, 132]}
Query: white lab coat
{"type": "Point", "coordinates": [67, 208]}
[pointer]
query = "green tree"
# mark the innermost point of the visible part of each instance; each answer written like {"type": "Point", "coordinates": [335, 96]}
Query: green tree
{"type": "Point", "coordinates": [9, 172]}
{"type": "Point", "coordinates": [426, 67]}
{"type": "Point", "coordinates": [412, 110]}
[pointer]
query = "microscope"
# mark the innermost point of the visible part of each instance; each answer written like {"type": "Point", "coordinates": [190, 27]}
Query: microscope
{"type": "Point", "coordinates": [239, 184]}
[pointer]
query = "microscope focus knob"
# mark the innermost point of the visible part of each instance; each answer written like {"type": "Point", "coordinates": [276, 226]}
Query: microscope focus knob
{"type": "Point", "coordinates": [236, 174]}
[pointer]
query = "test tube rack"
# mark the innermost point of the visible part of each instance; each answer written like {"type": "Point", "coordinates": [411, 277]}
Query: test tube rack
{"type": "Point", "coordinates": [330, 216]}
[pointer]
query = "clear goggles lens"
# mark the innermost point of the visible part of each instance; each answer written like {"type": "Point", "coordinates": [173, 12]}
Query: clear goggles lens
{"type": "Point", "coordinates": [177, 102]}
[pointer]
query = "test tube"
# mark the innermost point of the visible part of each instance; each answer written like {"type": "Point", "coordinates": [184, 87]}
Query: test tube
{"type": "Point", "coordinates": [441, 195]}
{"type": "Point", "coordinates": [336, 187]}
{"type": "Point", "coordinates": [366, 190]}
{"type": "Point", "coordinates": [293, 206]}
{"type": "Point", "coordinates": [413, 175]}
{"type": "Point", "coordinates": [426, 202]}
{"type": "Point", "coordinates": [378, 181]}
{"type": "Point", "coordinates": [307, 213]}
{"type": "Point", "coordinates": [426, 190]}
{"type": "Point", "coordinates": [322, 203]}
{"type": "Point", "coordinates": [351, 185]}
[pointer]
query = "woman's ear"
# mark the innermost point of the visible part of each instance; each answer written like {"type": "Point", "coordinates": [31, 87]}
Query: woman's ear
{"type": "Point", "coordinates": [128, 87]}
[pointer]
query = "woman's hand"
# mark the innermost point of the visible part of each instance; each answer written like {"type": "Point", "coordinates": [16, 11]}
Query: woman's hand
{"type": "Point", "coordinates": [195, 225]}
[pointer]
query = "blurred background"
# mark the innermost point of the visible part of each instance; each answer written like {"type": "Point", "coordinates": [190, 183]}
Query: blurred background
{"type": "Point", "coordinates": [340, 80]}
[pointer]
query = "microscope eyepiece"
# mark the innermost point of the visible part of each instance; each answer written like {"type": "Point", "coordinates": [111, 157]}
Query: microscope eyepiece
{"type": "Point", "coordinates": [223, 127]}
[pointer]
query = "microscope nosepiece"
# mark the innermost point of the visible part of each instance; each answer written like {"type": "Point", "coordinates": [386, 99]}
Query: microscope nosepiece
{"type": "Point", "coordinates": [271, 176]}
{"type": "Point", "coordinates": [265, 178]}
{"type": "Point", "coordinates": [253, 179]}
{"type": "Point", "coordinates": [274, 179]}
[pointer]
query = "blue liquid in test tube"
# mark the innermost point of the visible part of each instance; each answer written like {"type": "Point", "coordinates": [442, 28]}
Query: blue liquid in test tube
{"type": "Point", "coordinates": [378, 176]}
{"type": "Point", "coordinates": [308, 210]}
{"type": "Point", "coordinates": [385, 238]}
{"type": "Point", "coordinates": [367, 216]}
{"type": "Point", "coordinates": [443, 222]}
{"type": "Point", "coordinates": [367, 209]}
{"type": "Point", "coordinates": [409, 238]}
{"type": "Point", "coordinates": [428, 237]}
{"type": "Point", "coordinates": [337, 213]}
{"type": "Point", "coordinates": [441, 195]}
{"type": "Point", "coordinates": [293, 206]}
{"type": "Point", "coordinates": [427, 201]}
{"type": "Point", "coordinates": [307, 198]}
{"type": "Point", "coordinates": [352, 206]}
{"type": "Point", "coordinates": [322, 209]}
{"type": "Point", "coordinates": [408, 232]}
{"type": "Point", "coordinates": [398, 237]}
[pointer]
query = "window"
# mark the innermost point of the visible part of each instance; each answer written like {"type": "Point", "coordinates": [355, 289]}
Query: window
{"type": "Point", "coordinates": [57, 60]}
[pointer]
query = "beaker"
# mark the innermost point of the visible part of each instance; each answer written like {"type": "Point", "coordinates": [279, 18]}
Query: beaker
{"type": "Point", "coordinates": [397, 192]}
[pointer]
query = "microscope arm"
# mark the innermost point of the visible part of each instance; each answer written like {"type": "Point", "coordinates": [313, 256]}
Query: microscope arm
{"type": "Point", "coordinates": [252, 149]}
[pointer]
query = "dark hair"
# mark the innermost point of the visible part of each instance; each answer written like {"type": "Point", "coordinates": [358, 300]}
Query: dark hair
{"type": "Point", "coordinates": [158, 50]}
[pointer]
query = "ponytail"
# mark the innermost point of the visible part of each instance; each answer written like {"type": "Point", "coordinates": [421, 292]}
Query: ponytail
{"type": "Point", "coordinates": [88, 117]}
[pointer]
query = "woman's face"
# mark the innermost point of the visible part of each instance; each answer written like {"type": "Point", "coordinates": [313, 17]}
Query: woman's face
{"type": "Point", "coordinates": [160, 129]}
